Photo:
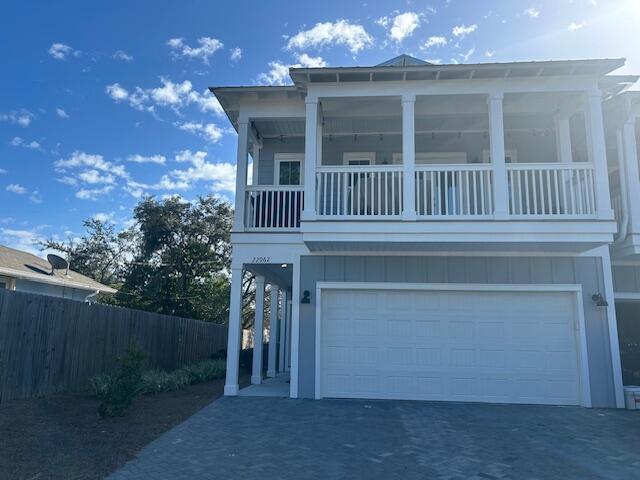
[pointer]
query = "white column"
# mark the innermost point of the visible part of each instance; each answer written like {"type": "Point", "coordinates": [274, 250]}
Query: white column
{"type": "Point", "coordinates": [283, 330]}
{"type": "Point", "coordinates": [234, 334]}
{"type": "Point", "coordinates": [258, 328]}
{"type": "Point", "coordinates": [598, 153]}
{"type": "Point", "coordinates": [294, 341]}
{"type": "Point", "coordinates": [633, 178]}
{"type": "Point", "coordinates": [409, 157]}
{"type": "Point", "coordinates": [255, 156]}
{"type": "Point", "coordinates": [287, 339]}
{"type": "Point", "coordinates": [273, 332]}
{"type": "Point", "coordinates": [310, 154]}
{"type": "Point", "coordinates": [241, 174]}
{"type": "Point", "coordinates": [563, 138]}
{"type": "Point", "coordinates": [496, 140]}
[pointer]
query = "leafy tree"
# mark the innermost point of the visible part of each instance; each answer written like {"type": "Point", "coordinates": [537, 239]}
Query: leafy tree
{"type": "Point", "coordinates": [99, 254]}
{"type": "Point", "coordinates": [181, 258]}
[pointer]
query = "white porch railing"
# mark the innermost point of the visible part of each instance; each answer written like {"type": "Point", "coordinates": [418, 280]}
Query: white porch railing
{"type": "Point", "coordinates": [547, 190]}
{"type": "Point", "coordinates": [273, 207]}
{"type": "Point", "coordinates": [359, 192]}
{"type": "Point", "coordinates": [454, 190]}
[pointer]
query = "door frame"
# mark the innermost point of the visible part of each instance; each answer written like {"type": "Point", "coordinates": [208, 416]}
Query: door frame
{"type": "Point", "coordinates": [575, 289]}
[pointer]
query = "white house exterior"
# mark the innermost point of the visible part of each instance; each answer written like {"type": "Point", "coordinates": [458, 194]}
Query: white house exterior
{"type": "Point", "coordinates": [431, 232]}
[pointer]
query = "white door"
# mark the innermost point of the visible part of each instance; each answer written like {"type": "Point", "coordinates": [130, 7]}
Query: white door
{"type": "Point", "coordinates": [506, 347]}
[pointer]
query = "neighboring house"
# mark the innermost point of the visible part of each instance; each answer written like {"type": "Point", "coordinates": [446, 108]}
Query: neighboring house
{"type": "Point", "coordinates": [433, 232]}
{"type": "Point", "coordinates": [25, 272]}
{"type": "Point", "coordinates": [623, 133]}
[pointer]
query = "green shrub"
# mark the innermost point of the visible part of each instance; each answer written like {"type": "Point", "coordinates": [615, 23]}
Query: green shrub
{"type": "Point", "coordinates": [124, 385]}
{"type": "Point", "coordinates": [207, 370]}
{"type": "Point", "coordinates": [99, 384]}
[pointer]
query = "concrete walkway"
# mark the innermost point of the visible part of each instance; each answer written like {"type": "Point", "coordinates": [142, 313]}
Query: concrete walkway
{"type": "Point", "coordinates": [269, 438]}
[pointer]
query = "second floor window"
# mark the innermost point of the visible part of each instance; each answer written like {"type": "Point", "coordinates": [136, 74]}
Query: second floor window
{"type": "Point", "coordinates": [289, 172]}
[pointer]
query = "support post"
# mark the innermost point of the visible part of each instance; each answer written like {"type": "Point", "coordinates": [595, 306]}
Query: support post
{"type": "Point", "coordinates": [409, 157]}
{"type": "Point", "coordinates": [255, 168]}
{"type": "Point", "coordinates": [310, 160]}
{"type": "Point", "coordinates": [273, 332]}
{"type": "Point", "coordinates": [633, 178]}
{"type": "Point", "coordinates": [258, 328]}
{"type": "Point", "coordinates": [241, 174]}
{"type": "Point", "coordinates": [598, 153]}
{"type": "Point", "coordinates": [496, 139]}
{"type": "Point", "coordinates": [283, 323]}
{"type": "Point", "coordinates": [287, 354]}
{"type": "Point", "coordinates": [234, 334]}
{"type": "Point", "coordinates": [563, 138]}
{"type": "Point", "coordinates": [294, 341]}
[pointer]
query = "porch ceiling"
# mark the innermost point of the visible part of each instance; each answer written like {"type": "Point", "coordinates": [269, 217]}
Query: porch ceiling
{"type": "Point", "coordinates": [273, 273]}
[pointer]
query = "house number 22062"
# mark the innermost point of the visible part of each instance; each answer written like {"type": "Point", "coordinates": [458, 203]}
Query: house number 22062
{"type": "Point", "coordinates": [261, 259]}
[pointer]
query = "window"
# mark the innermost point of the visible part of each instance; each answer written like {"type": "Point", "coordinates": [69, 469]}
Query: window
{"type": "Point", "coordinates": [7, 283]}
{"type": "Point", "coordinates": [359, 158]}
{"type": "Point", "coordinates": [288, 168]}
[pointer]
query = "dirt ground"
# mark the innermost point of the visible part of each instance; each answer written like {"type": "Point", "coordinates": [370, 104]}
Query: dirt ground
{"type": "Point", "coordinates": [62, 436]}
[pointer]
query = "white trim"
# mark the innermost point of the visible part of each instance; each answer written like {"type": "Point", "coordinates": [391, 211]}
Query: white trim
{"type": "Point", "coordinates": [581, 339]}
{"type": "Point", "coordinates": [10, 283]}
{"type": "Point", "coordinates": [359, 156]}
{"type": "Point", "coordinates": [627, 296]}
{"type": "Point", "coordinates": [445, 158]}
{"type": "Point", "coordinates": [287, 157]}
{"type": "Point", "coordinates": [512, 154]}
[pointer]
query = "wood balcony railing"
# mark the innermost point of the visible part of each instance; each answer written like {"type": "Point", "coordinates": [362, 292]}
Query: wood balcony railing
{"type": "Point", "coordinates": [273, 207]}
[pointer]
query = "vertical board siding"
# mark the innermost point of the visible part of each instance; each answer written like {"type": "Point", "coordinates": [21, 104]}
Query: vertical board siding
{"type": "Point", "coordinates": [50, 344]}
{"type": "Point", "coordinates": [585, 271]}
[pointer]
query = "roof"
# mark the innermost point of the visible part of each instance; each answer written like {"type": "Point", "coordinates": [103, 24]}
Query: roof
{"type": "Point", "coordinates": [403, 61]}
{"type": "Point", "coordinates": [24, 265]}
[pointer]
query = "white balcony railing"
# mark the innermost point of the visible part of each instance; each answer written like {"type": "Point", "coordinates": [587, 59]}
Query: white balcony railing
{"type": "Point", "coordinates": [454, 191]}
{"type": "Point", "coordinates": [359, 192]}
{"type": "Point", "coordinates": [272, 207]}
{"type": "Point", "coordinates": [551, 190]}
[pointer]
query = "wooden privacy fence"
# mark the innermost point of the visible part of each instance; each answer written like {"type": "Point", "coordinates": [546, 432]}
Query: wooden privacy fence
{"type": "Point", "coordinates": [50, 344]}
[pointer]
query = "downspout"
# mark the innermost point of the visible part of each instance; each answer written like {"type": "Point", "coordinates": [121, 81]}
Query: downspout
{"type": "Point", "coordinates": [624, 198]}
{"type": "Point", "coordinates": [91, 296]}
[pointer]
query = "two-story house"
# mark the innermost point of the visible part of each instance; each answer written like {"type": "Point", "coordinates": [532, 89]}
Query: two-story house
{"type": "Point", "coordinates": [435, 232]}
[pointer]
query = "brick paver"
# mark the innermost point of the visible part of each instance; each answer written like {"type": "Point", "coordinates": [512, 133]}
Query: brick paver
{"type": "Point", "coordinates": [267, 438]}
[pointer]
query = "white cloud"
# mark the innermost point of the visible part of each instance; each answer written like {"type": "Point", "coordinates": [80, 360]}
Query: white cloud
{"type": "Point", "coordinates": [61, 113]}
{"type": "Point", "coordinates": [340, 32]}
{"type": "Point", "coordinates": [209, 131]}
{"type": "Point", "coordinates": [103, 217]}
{"type": "Point", "coordinates": [19, 142]}
{"type": "Point", "coordinates": [169, 94]}
{"type": "Point", "coordinates": [532, 12]}
{"type": "Point", "coordinates": [3, 171]}
{"type": "Point", "coordinates": [122, 56]}
{"type": "Point", "coordinates": [88, 163]}
{"type": "Point", "coordinates": [574, 27]}
{"type": "Point", "coordinates": [93, 193]}
{"type": "Point", "coordinates": [60, 51]}
{"type": "Point", "coordinates": [17, 189]}
{"type": "Point", "coordinates": [208, 46]}
{"type": "Point", "coordinates": [401, 26]}
{"type": "Point", "coordinates": [461, 31]}
{"type": "Point", "coordinates": [35, 197]}
{"type": "Point", "coordinates": [465, 56]}
{"type": "Point", "coordinates": [435, 61]}
{"type": "Point", "coordinates": [23, 117]}
{"type": "Point", "coordinates": [157, 159]}
{"type": "Point", "coordinates": [236, 54]}
{"type": "Point", "coordinates": [489, 53]}
{"type": "Point", "coordinates": [434, 42]}
{"type": "Point", "coordinates": [279, 72]}
{"type": "Point", "coordinates": [94, 177]}
{"type": "Point", "coordinates": [25, 240]}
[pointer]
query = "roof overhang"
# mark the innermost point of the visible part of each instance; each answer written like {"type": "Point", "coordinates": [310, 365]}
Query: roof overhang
{"type": "Point", "coordinates": [596, 67]}
{"type": "Point", "coordinates": [35, 277]}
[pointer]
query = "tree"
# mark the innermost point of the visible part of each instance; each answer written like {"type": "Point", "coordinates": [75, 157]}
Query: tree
{"type": "Point", "coordinates": [181, 260]}
{"type": "Point", "coordinates": [99, 254]}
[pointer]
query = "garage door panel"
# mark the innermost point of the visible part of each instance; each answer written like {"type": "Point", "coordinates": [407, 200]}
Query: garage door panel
{"type": "Point", "coordinates": [465, 346]}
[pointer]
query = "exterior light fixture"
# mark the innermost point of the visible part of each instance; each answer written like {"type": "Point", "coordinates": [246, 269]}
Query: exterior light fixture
{"type": "Point", "coordinates": [600, 300]}
{"type": "Point", "coordinates": [284, 265]}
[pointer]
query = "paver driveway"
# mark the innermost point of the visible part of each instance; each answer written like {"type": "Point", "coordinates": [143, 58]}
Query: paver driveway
{"type": "Point", "coordinates": [266, 438]}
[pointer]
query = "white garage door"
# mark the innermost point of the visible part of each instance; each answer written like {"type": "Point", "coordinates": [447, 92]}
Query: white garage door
{"type": "Point", "coordinates": [508, 347]}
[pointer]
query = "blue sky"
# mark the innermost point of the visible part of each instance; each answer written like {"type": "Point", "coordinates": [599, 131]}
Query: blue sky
{"type": "Point", "coordinates": [106, 101]}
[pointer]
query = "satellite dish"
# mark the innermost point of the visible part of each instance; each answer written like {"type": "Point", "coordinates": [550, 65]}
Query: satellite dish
{"type": "Point", "coordinates": [57, 262]}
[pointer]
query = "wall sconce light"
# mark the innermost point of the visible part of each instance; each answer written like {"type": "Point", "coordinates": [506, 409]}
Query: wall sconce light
{"type": "Point", "coordinates": [306, 297]}
{"type": "Point", "coordinates": [600, 300]}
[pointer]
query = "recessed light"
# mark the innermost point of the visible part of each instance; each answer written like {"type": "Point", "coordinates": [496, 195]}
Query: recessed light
{"type": "Point", "coordinates": [284, 265]}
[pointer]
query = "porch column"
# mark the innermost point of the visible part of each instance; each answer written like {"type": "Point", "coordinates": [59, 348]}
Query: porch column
{"type": "Point", "coordinates": [294, 340]}
{"type": "Point", "coordinates": [598, 153]}
{"type": "Point", "coordinates": [283, 323]}
{"type": "Point", "coordinates": [496, 145]}
{"type": "Point", "coordinates": [287, 338]}
{"type": "Point", "coordinates": [258, 328]}
{"type": "Point", "coordinates": [273, 331]}
{"type": "Point", "coordinates": [241, 174]}
{"type": "Point", "coordinates": [409, 157]}
{"type": "Point", "coordinates": [235, 327]}
{"type": "Point", "coordinates": [633, 178]}
{"type": "Point", "coordinates": [563, 138]}
{"type": "Point", "coordinates": [255, 156]}
{"type": "Point", "coordinates": [310, 154]}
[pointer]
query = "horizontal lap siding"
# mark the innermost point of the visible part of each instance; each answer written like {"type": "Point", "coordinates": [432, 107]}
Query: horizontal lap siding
{"type": "Point", "coordinates": [586, 271]}
{"type": "Point", "coordinates": [50, 345]}
{"type": "Point", "coordinates": [626, 278]}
